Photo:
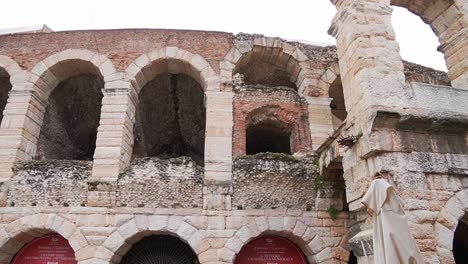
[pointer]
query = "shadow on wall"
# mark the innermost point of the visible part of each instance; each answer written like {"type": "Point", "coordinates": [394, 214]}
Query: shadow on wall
{"type": "Point", "coordinates": [171, 119]}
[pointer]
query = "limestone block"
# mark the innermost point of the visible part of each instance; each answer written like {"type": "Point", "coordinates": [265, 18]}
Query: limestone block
{"type": "Point", "coordinates": [216, 222]}
{"type": "Point", "coordinates": [444, 236]}
{"type": "Point", "coordinates": [185, 231]}
{"type": "Point", "coordinates": [66, 229]}
{"type": "Point", "coordinates": [299, 229]}
{"type": "Point", "coordinates": [159, 222]}
{"type": "Point", "coordinates": [226, 255]}
{"type": "Point", "coordinates": [114, 242]}
{"type": "Point", "coordinates": [174, 223]}
{"type": "Point", "coordinates": [234, 244]}
{"type": "Point", "coordinates": [128, 229]}
{"type": "Point", "coordinates": [85, 253]}
{"type": "Point", "coordinates": [324, 255]}
{"type": "Point", "coordinates": [209, 255]}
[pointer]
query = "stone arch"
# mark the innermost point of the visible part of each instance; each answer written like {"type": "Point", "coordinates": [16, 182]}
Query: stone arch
{"type": "Point", "coordinates": [306, 238]}
{"type": "Point", "coordinates": [8, 68]}
{"type": "Point", "coordinates": [16, 234]}
{"type": "Point", "coordinates": [330, 84]}
{"type": "Point", "coordinates": [9, 65]}
{"type": "Point", "coordinates": [121, 240]}
{"type": "Point", "coordinates": [446, 224]}
{"type": "Point", "coordinates": [61, 69]}
{"type": "Point", "coordinates": [448, 21]}
{"type": "Point", "coordinates": [291, 120]}
{"type": "Point", "coordinates": [48, 73]}
{"type": "Point", "coordinates": [278, 52]}
{"type": "Point", "coordinates": [173, 60]}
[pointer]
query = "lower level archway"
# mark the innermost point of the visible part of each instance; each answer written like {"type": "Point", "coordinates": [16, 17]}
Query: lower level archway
{"type": "Point", "coordinates": [160, 249]}
{"type": "Point", "coordinates": [270, 249]}
{"type": "Point", "coordinates": [52, 248]}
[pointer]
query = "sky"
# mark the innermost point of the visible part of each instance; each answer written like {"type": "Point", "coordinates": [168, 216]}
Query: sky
{"type": "Point", "coordinates": [306, 20]}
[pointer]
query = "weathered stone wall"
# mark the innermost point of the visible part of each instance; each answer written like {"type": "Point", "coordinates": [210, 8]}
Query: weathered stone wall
{"type": "Point", "coordinates": [51, 183]}
{"type": "Point", "coordinates": [103, 235]}
{"type": "Point", "coordinates": [268, 180]}
{"type": "Point", "coordinates": [153, 183]}
{"type": "Point", "coordinates": [120, 45]}
{"type": "Point", "coordinates": [280, 103]}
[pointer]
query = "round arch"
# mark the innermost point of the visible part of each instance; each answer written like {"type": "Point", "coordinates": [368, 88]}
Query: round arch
{"type": "Point", "coordinates": [296, 231]}
{"type": "Point", "coordinates": [285, 55]}
{"type": "Point", "coordinates": [172, 60]}
{"type": "Point", "coordinates": [48, 73]}
{"type": "Point", "coordinates": [9, 65]}
{"type": "Point", "coordinates": [125, 236]}
{"type": "Point", "coordinates": [16, 234]}
{"type": "Point", "coordinates": [447, 20]}
{"type": "Point", "coordinates": [446, 224]}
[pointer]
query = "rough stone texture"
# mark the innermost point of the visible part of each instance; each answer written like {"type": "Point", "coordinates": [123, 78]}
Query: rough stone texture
{"type": "Point", "coordinates": [153, 182]}
{"type": "Point", "coordinates": [51, 183]}
{"type": "Point", "coordinates": [410, 133]}
{"type": "Point", "coordinates": [268, 180]}
{"type": "Point", "coordinates": [418, 73]}
{"type": "Point", "coordinates": [71, 120]}
{"type": "Point", "coordinates": [172, 118]}
{"type": "Point", "coordinates": [255, 105]}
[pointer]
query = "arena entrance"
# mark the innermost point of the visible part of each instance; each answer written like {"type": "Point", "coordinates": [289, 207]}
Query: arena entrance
{"type": "Point", "coordinates": [270, 249]}
{"type": "Point", "coordinates": [51, 248]}
{"type": "Point", "coordinates": [160, 249]}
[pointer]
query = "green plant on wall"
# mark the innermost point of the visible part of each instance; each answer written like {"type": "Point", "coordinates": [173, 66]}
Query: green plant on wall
{"type": "Point", "coordinates": [318, 182]}
{"type": "Point", "coordinates": [333, 212]}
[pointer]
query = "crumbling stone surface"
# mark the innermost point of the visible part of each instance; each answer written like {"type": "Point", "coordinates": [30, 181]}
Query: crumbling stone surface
{"type": "Point", "coordinates": [418, 73]}
{"type": "Point", "coordinates": [270, 180]}
{"type": "Point", "coordinates": [172, 118]}
{"type": "Point", "coordinates": [153, 182]}
{"type": "Point", "coordinates": [257, 104]}
{"type": "Point", "coordinates": [70, 123]}
{"type": "Point", "coordinates": [58, 183]}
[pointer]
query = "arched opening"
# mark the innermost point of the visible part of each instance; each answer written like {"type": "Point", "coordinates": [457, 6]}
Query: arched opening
{"type": "Point", "coordinates": [5, 87]}
{"type": "Point", "coordinates": [337, 104]}
{"type": "Point", "coordinates": [51, 248]}
{"type": "Point", "coordinates": [270, 249]}
{"type": "Point", "coordinates": [268, 136]}
{"type": "Point", "coordinates": [429, 20]}
{"type": "Point", "coordinates": [160, 249]}
{"type": "Point", "coordinates": [171, 113]}
{"type": "Point", "coordinates": [460, 241]}
{"type": "Point", "coordinates": [268, 66]}
{"type": "Point", "coordinates": [72, 115]}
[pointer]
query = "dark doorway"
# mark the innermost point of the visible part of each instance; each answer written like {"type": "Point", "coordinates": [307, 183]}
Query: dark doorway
{"type": "Point", "coordinates": [460, 241]}
{"type": "Point", "coordinates": [160, 249]}
{"type": "Point", "coordinates": [69, 128]}
{"type": "Point", "coordinates": [268, 136]}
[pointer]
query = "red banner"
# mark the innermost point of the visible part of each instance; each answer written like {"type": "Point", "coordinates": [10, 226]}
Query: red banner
{"type": "Point", "coordinates": [49, 249]}
{"type": "Point", "coordinates": [270, 250]}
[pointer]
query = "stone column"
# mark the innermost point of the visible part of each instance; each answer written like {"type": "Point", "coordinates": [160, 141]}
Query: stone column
{"type": "Point", "coordinates": [320, 120]}
{"type": "Point", "coordinates": [218, 150]}
{"type": "Point", "coordinates": [372, 74]}
{"type": "Point", "coordinates": [114, 142]}
{"type": "Point", "coordinates": [20, 127]}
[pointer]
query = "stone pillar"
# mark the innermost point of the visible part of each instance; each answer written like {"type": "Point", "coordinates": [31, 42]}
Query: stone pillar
{"type": "Point", "coordinates": [320, 120]}
{"type": "Point", "coordinates": [114, 142]}
{"type": "Point", "coordinates": [372, 75]}
{"type": "Point", "coordinates": [218, 150]}
{"type": "Point", "coordinates": [20, 127]}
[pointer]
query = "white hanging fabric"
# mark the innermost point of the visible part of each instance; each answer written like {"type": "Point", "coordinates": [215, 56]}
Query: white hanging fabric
{"type": "Point", "coordinates": [392, 239]}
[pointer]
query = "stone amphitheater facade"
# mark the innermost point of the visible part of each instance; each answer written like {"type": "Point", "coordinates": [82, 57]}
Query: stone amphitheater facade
{"type": "Point", "coordinates": [109, 136]}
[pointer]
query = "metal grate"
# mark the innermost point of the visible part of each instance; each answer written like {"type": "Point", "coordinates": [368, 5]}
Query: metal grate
{"type": "Point", "coordinates": [160, 249]}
